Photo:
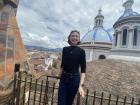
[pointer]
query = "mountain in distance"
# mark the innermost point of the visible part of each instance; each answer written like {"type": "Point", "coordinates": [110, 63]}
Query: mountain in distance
{"type": "Point", "coordinates": [43, 48]}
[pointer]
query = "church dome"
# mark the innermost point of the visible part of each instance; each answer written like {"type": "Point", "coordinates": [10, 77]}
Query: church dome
{"type": "Point", "coordinates": [128, 13]}
{"type": "Point", "coordinates": [97, 35]}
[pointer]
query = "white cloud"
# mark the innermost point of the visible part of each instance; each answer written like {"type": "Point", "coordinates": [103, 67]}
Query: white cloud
{"type": "Point", "coordinates": [48, 22]}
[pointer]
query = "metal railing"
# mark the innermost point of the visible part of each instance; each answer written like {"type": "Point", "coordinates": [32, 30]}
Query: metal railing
{"type": "Point", "coordinates": [42, 92]}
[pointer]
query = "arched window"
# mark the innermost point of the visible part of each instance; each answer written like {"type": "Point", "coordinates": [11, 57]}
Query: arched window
{"type": "Point", "coordinates": [102, 57]}
{"type": "Point", "coordinates": [116, 38]}
{"type": "Point", "coordinates": [4, 17]}
{"type": "Point", "coordinates": [99, 22]}
{"type": "Point", "coordinates": [124, 37]}
{"type": "Point", "coordinates": [135, 37]}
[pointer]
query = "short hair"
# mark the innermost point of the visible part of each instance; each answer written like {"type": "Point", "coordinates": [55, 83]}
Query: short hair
{"type": "Point", "coordinates": [70, 35]}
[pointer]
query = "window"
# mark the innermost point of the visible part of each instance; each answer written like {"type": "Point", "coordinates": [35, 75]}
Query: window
{"type": "Point", "coordinates": [102, 57]}
{"type": "Point", "coordinates": [116, 38]}
{"type": "Point", "coordinates": [10, 42]}
{"type": "Point", "coordinates": [135, 41]}
{"type": "Point", "coordinates": [99, 22]}
{"type": "Point", "coordinates": [4, 17]}
{"type": "Point", "coordinates": [2, 47]}
{"type": "Point", "coordinates": [124, 37]}
{"type": "Point", "coordinates": [7, 58]}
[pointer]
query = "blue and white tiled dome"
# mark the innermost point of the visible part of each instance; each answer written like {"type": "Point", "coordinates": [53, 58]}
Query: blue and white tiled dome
{"type": "Point", "coordinates": [128, 14]}
{"type": "Point", "coordinates": [97, 35]}
{"type": "Point", "coordinates": [128, 10]}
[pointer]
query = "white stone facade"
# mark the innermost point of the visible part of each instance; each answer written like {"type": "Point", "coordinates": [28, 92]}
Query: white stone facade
{"type": "Point", "coordinates": [98, 41]}
{"type": "Point", "coordinates": [130, 36]}
{"type": "Point", "coordinates": [126, 41]}
{"type": "Point", "coordinates": [96, 51]}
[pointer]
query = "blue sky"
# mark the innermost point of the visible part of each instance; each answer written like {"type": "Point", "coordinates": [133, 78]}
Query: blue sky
{"type": "Point", "coordinates": [47, 23]}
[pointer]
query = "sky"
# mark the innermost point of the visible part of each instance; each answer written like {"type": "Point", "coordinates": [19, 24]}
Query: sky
{"type": "Point", "coordinates": [47, 23]}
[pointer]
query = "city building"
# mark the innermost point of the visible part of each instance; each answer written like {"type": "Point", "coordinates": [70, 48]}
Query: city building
{"type": "Point", "coordinates": [12, 50]}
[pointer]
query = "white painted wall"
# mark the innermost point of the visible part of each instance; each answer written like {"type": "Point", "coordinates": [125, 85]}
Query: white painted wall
{"type": "Point", "coordinates": [93, 54]}
{"type": "Point", "coordinates": [98, 52]}
{"type": "Point", "coordinates": [128, 52]}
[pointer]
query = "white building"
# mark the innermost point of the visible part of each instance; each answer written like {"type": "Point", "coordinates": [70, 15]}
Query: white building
{"type": "Point", "coordinates": [54, 56]}
{"type": "Point", "coordinates": [49, 63]}
{"type": "Point", "coordinates": [126, 43]}
{"type": "Point", "coordinates": [98, 41]}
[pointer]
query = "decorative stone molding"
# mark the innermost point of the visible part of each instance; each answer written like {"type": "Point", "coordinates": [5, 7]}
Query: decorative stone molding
{"type": "Point", "coordinates": [130, 30]}
{"type": "Point", "coordinates": [134, 19]}
{"type": "Point", "coordinates": [119, 32]}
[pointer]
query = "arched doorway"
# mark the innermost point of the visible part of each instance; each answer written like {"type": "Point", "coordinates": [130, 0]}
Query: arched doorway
{"type": "Point", "coordinates": [102, 57]}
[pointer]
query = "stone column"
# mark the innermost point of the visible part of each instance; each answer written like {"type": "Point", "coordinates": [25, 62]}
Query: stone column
{"type": "Point", "coordinates": [91, 54]}
{"type": "Point", "coordinates": [130, 38]}
{"type": "Point", "coordinates": [138, 38]}
{"type": "Point", "coordinates": [119, 39]}
{"type": "Point", "coordinates": [114, 39]}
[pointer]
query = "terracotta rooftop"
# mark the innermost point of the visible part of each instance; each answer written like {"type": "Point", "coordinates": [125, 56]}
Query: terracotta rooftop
{"type": "Point", "coordinates": [114, 76]}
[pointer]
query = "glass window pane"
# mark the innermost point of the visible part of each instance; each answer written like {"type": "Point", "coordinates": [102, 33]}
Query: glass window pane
{"type": "Point", "coordinates": [10, 42]}
{"type": "Point", "coordinates": [2, 57]}
{"type": "Point", "coordinates": [2, 48]}
{"type": "Point", "coordinates": [4, 17]}
{"type": "Point", "coordinates": [135, 37]}
{"type": "Point", "coordinates": [3, 39]}
{"type": "Point", "coordinates": [124, 40]}
{"type": "Point", "coordinates": [10, 53]}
